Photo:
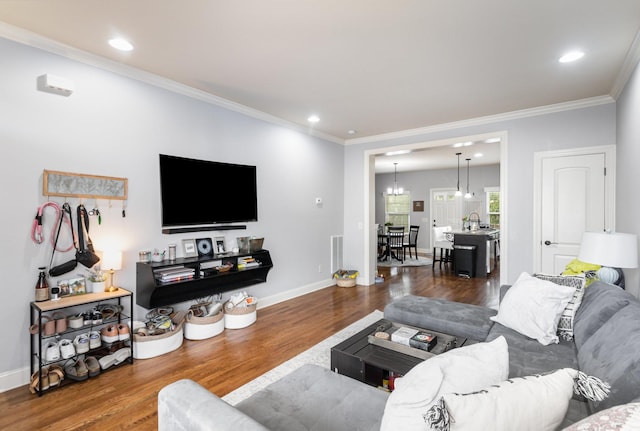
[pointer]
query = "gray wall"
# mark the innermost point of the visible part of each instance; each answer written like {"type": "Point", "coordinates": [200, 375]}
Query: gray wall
{"type": "Point", "coordinates": [627, 163]}
{"type": "Point", "coordinates": [585, 127]}
{"type": "Point", "coordinates": [116, 126]}
{"type": "Point", "coordinates": [419, 183]}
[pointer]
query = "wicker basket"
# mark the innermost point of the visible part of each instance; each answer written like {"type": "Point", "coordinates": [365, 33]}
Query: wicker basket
{"type": "Point", "coordinates": [201, 328]}
{"type": "Point", "coordinates": [239, 310]}
{"type": "Point", "coordinates": [346, 282]}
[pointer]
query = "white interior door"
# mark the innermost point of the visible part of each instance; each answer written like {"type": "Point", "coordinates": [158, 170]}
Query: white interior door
{"type": "Point", "coordinates": [573, 199]}
{"type": "Point", "coordinates": [445, 210]}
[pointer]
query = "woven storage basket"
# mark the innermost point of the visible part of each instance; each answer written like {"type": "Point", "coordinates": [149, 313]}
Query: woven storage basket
{"type": "Point", "coordinates": [200, 328]}
{"type": "Point", "coordinates": [346, 282]}
{"type": "Point", "coordinates": [150, 346]}
{"type": "Point", "coordinates": [239, 317]}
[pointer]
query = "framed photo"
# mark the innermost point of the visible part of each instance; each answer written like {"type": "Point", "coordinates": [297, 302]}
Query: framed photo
{"type": "Point", "coordinates": [220, 246]}
{"type": "Point", "coordinates": [205, 247]}
{"type": "Point", "coordinates": [418, 206]}
{"type": "Point", "coordinates": [73, 286]}
{"type": "Point", "coordinates": [189, 248]}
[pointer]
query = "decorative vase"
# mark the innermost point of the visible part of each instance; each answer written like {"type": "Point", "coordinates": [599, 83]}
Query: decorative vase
{"type": "Point", "coordinates": [97, 286]}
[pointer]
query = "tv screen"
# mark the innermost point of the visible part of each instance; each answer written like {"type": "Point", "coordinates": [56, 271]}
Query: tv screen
{"type": "Point", "coordinates": [201, 192]}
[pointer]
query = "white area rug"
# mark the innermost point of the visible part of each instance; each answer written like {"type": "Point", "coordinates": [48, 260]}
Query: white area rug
{"type": "Point", "coordinates": [320, 354]}
{"type": "Point", "coordinates": [420, 261]}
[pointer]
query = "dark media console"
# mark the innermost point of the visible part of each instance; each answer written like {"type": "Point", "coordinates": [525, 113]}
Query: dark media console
{"type": "Point", "coordinates": [152, 292]}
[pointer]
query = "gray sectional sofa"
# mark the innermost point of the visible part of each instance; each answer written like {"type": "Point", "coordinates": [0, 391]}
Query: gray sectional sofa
{"type": "Point", "coordinates": [606, 345]}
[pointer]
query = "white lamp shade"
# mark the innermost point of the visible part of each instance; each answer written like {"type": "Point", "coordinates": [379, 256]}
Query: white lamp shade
{"type": "Point", "coordinates": [111, 259]}
{"type": "Point", "coordinates": [616, 250]}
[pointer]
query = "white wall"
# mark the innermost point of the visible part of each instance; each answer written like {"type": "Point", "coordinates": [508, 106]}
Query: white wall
{"type": "Point", "coordinates": [627, 163]}
{"type": "Point", "coordinates": [116, 126]}
{"type": "Point", "coordinates": [584, 127]}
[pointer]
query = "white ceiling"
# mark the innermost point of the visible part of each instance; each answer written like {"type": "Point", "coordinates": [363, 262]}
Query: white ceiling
{"type": "Point", "coordinates": [374, 66]}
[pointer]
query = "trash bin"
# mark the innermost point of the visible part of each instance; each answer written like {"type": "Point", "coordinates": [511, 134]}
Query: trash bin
{"type": "Point", "coordinates": [464, 261]}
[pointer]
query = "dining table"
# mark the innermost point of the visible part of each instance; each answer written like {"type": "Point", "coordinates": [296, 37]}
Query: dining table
{"type": "Point", "coordinates": [384, 251]}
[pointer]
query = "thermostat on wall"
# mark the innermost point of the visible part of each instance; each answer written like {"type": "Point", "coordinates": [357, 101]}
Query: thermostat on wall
{"type": "Point", "coordinates": [55, 84]}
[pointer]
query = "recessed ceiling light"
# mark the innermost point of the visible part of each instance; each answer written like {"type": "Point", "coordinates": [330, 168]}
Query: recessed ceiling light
{"type": "Point", "coordinates": [352, 132]}
{"type": "Point", "coordinates": [478, 155]}
{"type": "Point", "coordinates": [120, 44]}
{"type": "Point", "coordinates": [492, 140]}
{"type": "Point", "coordinates": [313, 119]}
{"type": "Point", "coordinates": [571, 56]}
{"type": "Point", "coordinates": [396, 153]}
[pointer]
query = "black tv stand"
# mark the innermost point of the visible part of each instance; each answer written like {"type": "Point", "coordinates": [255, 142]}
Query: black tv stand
{"type": "Point", "coordinates": [171, 230]}
{"type": "Point", "coordinates": [152, 293]}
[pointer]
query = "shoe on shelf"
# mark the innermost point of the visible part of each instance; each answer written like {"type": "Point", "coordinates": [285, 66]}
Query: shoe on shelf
{"type": "Point", "coordinates": [56, 375]}
{"type": "Point", "coordinates": [123, 331]}
{"type": "Point", "coordinates": [110, 334]}
{"type": "Point", "coordinates": [37, 377]}
{"type": "Point", "coordinates": [115, 358]}
{"type": "Point", "coordinates": [66, 349]}
{"type": "Point", "coordinates": [81, 342]}
{"type": "Point", "coordinates": [94, 340]}
{"type": "Point", "coordinates": [92, 365]}
{"type": "Point", "coordinates": [52, 351]}
{"type": "Point", "coordinates": [76, 370]}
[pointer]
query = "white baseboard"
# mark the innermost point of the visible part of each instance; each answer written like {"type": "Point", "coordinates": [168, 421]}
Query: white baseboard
{"type": "Point", "coordinates": [13, 379]}
{"type": "Point", "coordinates": [20, 377]}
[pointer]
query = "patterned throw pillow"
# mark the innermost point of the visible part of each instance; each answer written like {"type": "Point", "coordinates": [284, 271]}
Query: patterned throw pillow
{"type": "Point", "coordinates": [565, 325]}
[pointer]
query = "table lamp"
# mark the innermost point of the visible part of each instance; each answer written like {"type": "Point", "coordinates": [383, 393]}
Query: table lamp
{"type": "Point", "coordinates": [612, 251]}
{"type": "Point", "coordinates": [112, 260]}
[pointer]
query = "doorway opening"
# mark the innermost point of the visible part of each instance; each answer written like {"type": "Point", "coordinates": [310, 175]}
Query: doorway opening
{"type": "Point", "coordinates": [432, 148]}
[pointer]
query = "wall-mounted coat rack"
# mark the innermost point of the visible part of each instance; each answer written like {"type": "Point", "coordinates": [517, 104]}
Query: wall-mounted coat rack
{"type": "Point", "coordinates": [68, 184]}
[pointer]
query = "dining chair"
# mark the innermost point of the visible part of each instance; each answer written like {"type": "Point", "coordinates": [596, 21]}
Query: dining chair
{"type": "Point", "coordinates": [395, 242]}
{"type": "Point", "coordinates": [441, 242]}
{"type": "Point", "coordinates": [411, 242]}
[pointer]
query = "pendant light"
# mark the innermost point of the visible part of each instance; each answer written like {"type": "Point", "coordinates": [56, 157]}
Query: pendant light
{"type": "Point", "coordinates": [458, 192]}
{"type": "Point", "coordinates": [467, 195]}
{"type": "Point", "coordinates": [395, 190]}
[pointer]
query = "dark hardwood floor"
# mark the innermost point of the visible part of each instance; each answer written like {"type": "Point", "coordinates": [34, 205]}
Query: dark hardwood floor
{"type": "Point", "coordinates": [126, 398]}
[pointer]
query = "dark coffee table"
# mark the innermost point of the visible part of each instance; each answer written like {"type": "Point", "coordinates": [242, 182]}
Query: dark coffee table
{"type": "Point", "coordinates": [373, 360]}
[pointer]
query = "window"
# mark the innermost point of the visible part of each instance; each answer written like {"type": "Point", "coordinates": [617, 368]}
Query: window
{"type": "Point", "coordinates": [397, 209]}
{"type": "Point", "coordinates": [493, 206]}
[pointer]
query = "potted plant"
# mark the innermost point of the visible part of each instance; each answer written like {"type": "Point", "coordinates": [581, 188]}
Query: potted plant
{"type": "Point", "coordinates": [345, 277]}
{"type": "Point", "coordinates": [97, 279]}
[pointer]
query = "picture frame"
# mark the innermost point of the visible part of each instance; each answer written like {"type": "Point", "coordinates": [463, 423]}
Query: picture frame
{"type": "Point", "coordinates": [189, 248]}
{"type": "Point", "coordinates": [205, 246]}
{"type": "Point", "coordinates": [220, 246]}
{"type": "Point", "coordinates": [72, 286]}
{"type": "Point", "coordinates": [418, 206]}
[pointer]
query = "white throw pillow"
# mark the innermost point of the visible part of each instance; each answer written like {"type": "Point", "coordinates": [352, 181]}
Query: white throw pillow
{"type": "Point", "coordinates": [464, 369]}
{"type": "Point", "coordinates": [535, 403]}
{"type": "Point", "coordinates": [533, 308]}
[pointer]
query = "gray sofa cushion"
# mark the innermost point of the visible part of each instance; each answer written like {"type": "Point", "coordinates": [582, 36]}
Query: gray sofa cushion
{"type": "Point", "coordinates": [527, 356]}
{"type": "Point", "coordinates": [315, 398]}
{"type": "Point", "coordinates": [612, 353]}
{"type": "Point", "coordinates": [600, 302]}
{"type": "Point", "coordinates": [441, 315]}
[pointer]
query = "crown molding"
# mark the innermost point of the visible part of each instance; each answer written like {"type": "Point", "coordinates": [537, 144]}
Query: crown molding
{"type": "Point", "coordinates": [26, 37]}
{"type": "Point", "coordinates": [630, 63]}
{"type": "Point", "coordinates": [513, 115]}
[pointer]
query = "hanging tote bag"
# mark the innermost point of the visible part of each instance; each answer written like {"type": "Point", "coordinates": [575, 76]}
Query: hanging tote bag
{"type": "Point", "coordinates": [69, 266]}
{"type": "Point", "coordinates": [85, 254]}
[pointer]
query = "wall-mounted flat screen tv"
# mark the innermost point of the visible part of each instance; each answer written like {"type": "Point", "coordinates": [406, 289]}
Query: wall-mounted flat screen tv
{"type": "Point", "coordinates": [202, 192]}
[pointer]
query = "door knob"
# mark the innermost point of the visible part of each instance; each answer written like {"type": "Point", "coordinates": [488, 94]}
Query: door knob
{"type": "Point", "coordinates": [547, 242]}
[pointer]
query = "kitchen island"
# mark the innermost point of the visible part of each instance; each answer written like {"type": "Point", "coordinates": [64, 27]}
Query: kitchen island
{"type": "Point", "coordinates": [486, 242]}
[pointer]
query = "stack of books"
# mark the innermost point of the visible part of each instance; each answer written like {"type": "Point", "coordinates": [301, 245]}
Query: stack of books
{"type": "Point", "coordinates": [247, 262]}
{"type": "Point", "coordinates": [414, 338]}
{"type": "Point", "coordinates": [174, 273]}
